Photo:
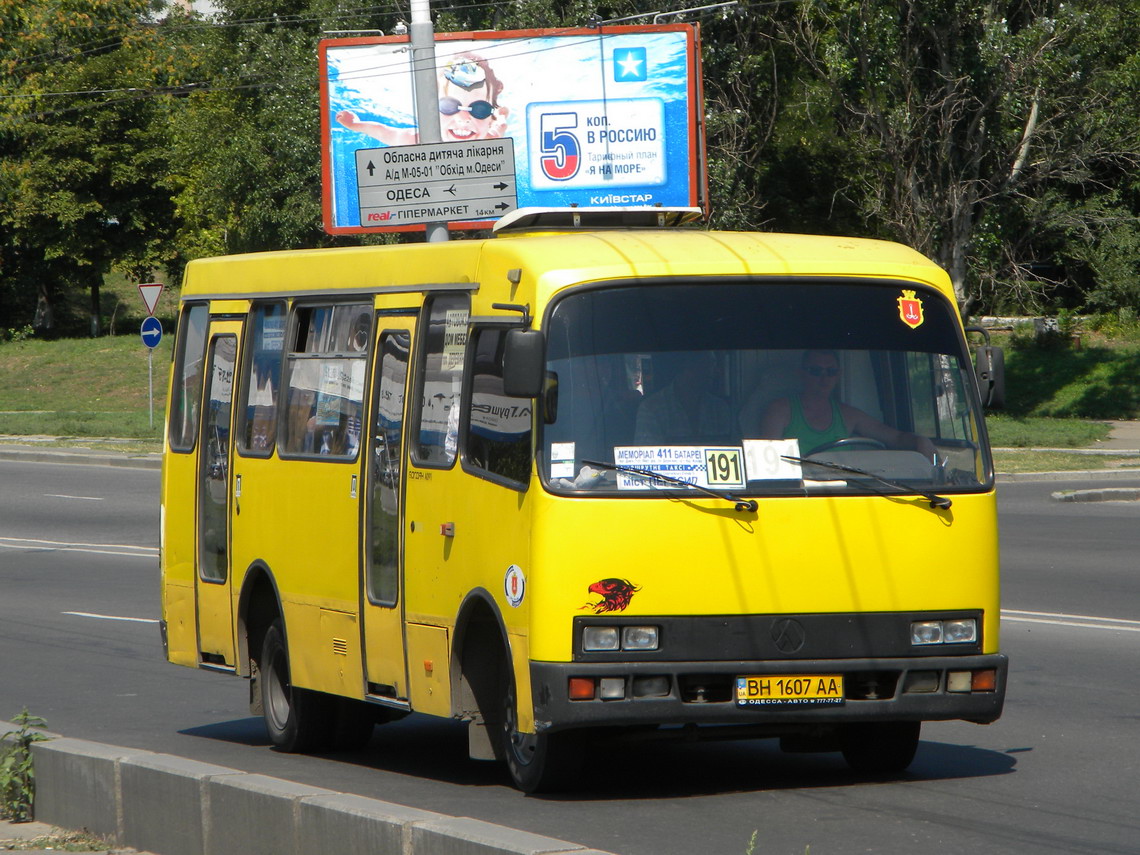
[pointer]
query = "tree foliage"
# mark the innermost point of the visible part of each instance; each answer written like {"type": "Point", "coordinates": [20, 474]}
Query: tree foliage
{"type": "Point", "coordinates": [1000, 137]}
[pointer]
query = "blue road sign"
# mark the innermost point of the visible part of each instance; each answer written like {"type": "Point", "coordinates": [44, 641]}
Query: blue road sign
{"type": "Point", "coordinates": [151, 332]}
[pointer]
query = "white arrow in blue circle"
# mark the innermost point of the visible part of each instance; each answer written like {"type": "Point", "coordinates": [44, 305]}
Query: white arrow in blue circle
{"type": "Point", "coordinates": [151, 332]}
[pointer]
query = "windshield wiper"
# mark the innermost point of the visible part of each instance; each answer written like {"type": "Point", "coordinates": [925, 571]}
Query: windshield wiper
{"type": "Point", "coordinates": [741, 504]}
{"type": "Point", "coordinates": [935, 500]}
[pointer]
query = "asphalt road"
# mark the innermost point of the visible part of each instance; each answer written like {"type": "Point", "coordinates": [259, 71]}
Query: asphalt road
{"type": "Point", "coordinates": [78, 646]}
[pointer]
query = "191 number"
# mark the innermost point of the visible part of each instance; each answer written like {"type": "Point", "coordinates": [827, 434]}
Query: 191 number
{"type": "Point", "coordinates": [722, 467]}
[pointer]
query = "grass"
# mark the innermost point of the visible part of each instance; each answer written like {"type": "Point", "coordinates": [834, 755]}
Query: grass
{"type": "Point", "coordinates": [1095, 381]}
{"type": "Point", "coordinates": [1008, 431]}
{"type": "Point", "coordinates": [82, 387]}
{"type": "Point", "coordinates": [1028, 460]}
{"type": "Point", "coordinates": [59, 841]}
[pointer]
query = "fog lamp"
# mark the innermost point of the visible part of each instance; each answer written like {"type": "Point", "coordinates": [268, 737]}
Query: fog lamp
{"type": "Point", "coordinates": [964, 631]}
{"type": "Point", "coordinates": [639, 638]}
{"type": "Point", "coordinates": [596, 638]}
{"type": "Point", "coordinates": [926, 632]}
{"type": "Point", "coordinates": [959, 681]}
{"type": "Point", "coordinates": [922, 681]}
{"type": "Point", "coordinates": [650, 687]}
{"type": "Point", "coordinates": [611, 688]}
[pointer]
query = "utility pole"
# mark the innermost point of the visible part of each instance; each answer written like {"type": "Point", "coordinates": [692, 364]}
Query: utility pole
{"type": "Point", "coordinates": [426, 85]}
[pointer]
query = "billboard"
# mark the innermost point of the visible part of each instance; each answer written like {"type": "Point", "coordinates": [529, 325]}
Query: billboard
{"type": "Point", "coordinates": [606, 117]}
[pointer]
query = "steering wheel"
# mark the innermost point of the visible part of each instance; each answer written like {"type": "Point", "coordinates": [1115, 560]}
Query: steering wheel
{"type": "Point", "coordinates": [848, 442]}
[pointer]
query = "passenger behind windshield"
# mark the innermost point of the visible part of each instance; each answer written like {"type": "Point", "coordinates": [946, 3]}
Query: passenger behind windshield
{"type": "Point", "coordinates": [819, 420]}
{"type": "Point", "coordinates": [684, 412]}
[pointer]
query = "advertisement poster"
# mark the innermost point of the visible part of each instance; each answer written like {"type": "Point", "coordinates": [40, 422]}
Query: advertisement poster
{"type": "Point", "coordinates": [598, 118]}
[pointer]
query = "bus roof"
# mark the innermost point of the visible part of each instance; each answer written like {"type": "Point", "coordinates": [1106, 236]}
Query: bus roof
{"type": "Point", "coordinates": [553, 260]}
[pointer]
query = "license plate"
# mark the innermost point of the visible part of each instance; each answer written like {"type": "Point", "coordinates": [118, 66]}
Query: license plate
{"type": "Point", "coordinates": [790, 690]}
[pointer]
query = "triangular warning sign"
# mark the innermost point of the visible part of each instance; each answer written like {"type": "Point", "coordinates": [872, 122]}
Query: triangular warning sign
{"type": "Point", "coordinates": [151, 291]}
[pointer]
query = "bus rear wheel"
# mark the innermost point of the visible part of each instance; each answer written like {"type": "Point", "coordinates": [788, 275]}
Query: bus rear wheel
{"type": "Point", "coordinates": [297, 719]}
{"type": "Point", "coordinates": [880, 747]}
{"type": "Point", "coordinates": [538, 762]}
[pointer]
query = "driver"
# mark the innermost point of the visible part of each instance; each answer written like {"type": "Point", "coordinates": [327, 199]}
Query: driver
{"type": "Point", "coordinates": [817, 418]}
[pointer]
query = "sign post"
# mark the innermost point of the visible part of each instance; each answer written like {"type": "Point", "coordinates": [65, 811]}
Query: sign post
{"type": "Point", "coordinates": [151, 332]}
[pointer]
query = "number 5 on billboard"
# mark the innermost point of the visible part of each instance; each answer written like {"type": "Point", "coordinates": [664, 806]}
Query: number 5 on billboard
{"type": "Point", "coordinates": [561, 153]}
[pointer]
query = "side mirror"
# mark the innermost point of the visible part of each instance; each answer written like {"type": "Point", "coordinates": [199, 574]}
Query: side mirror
{"type": "Point", "coordinates": [524, 362]}
{"type": "Point", "coordinates": [989, 369]}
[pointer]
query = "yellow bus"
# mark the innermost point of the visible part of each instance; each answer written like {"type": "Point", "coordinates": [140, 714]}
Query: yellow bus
{"type": "Point", "coordinates": [590, 477]}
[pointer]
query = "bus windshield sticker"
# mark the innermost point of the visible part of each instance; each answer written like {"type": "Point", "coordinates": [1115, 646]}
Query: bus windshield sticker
{"type": "Point", "coordinates": [766, 459]}
{"type": "Point", "coordinates": [910, 309]}
{"type": "Point", "coordinates": [561, 460]}
{"type": "Point", "coordinates": [702, 466]}
{"type": "Point", "coordinates": [454, 338]}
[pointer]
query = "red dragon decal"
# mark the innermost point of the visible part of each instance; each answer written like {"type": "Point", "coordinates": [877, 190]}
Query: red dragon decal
{"type": "Point", "coordinates": [615, 594]}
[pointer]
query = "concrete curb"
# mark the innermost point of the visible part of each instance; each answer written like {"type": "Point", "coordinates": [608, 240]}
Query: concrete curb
{"type": "Point", "coordinates": [1105, 494]}
{"type": "Point", "coordinates": [1075, 475]}
{"type": "Point", "coordinates": [174, 806]}
{"type": "Point", "coordinates": [79, 455]}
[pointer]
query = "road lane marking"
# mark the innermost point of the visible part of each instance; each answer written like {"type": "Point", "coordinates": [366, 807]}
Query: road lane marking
{"type": "Point", "coordinates": [111, 617]}
{"type": "Point", "coordinates": [121, 549]}
{"type": "Point", "coordinates": [1062, 619]}
{"type": "Point", "coordinates": [65, 496]}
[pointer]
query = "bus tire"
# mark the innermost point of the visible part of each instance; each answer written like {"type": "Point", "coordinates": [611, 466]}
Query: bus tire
{"type": "Point", "coordinates": [537, 762]}
{"type": "Point", "coordinates": [880, 747]}
{"type": "Point", "coordinates": [297, 719]}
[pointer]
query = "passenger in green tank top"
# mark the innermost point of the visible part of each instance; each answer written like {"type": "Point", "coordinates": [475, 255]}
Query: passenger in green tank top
{"type": "Point", "coordinates": [817, 418]}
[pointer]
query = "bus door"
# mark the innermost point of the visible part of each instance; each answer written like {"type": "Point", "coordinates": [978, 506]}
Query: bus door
{"type": "Point", "coordinates": [212, 581]}
{"type": "Point", "coordinates": [382, 541]}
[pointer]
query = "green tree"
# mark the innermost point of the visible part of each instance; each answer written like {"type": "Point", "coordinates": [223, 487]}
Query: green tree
{"type": "Point", "coordinates": [81, 181]}
{"type": "Point", "coordinates": [945, 124]}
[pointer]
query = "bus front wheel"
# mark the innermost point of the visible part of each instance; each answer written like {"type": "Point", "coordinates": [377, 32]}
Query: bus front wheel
{"type": "Point", "coordinates": [538, 762]}
{"type": "Point", "coordinates": [880, 747]}
{"type": "Point", "coordinates": [295, 718]}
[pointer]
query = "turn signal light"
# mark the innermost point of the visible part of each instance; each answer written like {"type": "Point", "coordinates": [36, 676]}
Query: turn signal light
{"type": "Point", "coordinates": [984, 681]}
{"type": "Point", "coordinates": [582, 689]}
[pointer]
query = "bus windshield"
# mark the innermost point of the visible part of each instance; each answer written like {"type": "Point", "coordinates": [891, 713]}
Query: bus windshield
{"type": "Point", "coordinates": [794, 388]}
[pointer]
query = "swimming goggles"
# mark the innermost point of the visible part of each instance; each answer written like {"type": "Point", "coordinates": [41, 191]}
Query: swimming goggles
{"type": "Point", "coordinates": [477, 109]}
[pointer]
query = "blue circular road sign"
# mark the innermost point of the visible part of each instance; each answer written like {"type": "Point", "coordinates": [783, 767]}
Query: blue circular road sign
{"type": "Point", "coordinates": [151, 332]}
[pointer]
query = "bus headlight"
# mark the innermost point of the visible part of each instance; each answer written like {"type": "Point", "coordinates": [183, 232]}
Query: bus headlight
{"type": "Point", "coordinates": [603, 639]}
{"type": "Point", "coordinates": [639, 638]}
{"type": "Point", "coordinates": [956, 631]}
{"type": "Point", "coordinates": [964, 631]}
{"type": "Point", "coordinates": [599, 638]}
{"type": "Point", "coordinates": [926, 632]}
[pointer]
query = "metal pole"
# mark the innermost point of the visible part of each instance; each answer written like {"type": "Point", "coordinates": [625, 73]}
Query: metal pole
{"type": "Point", "coordinates": [150, 382]}
{"type": "Point", "coordinates": [427, 90]}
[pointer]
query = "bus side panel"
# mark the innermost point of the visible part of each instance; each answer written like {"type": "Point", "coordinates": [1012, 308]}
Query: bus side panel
{"type": "Point", "coordinates": [179, 475]}
{"type": "Point", "coordinates": [300, 518]}
{"type": "Point", "coordinates": [491, 525]}
{"type": "Point", "coordinates": [429, 681]}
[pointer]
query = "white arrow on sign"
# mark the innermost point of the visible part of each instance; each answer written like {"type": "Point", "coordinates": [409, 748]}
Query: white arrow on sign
{"type": "Point", "coordinates": [151, 291]}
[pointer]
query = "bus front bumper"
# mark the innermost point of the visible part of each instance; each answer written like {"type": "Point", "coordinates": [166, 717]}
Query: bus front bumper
{"type": "Point", "coordinates": [943, 688]}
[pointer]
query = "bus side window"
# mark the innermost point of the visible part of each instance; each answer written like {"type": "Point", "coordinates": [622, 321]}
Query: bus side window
{"type": "Point", "coordinates": [498, 426]}
{"type": "Point", "coordinates": [257, 429]}
{"type": "Point", "coordinates": [440, 375]}
{"type": "Point", "coordinates": [325, 388]}
{"type": "Point", "coordinates": [189, 356]}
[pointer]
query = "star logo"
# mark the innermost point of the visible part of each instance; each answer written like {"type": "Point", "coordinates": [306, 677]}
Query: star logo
{"type": "Point", "coordinates": [630, 65]}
